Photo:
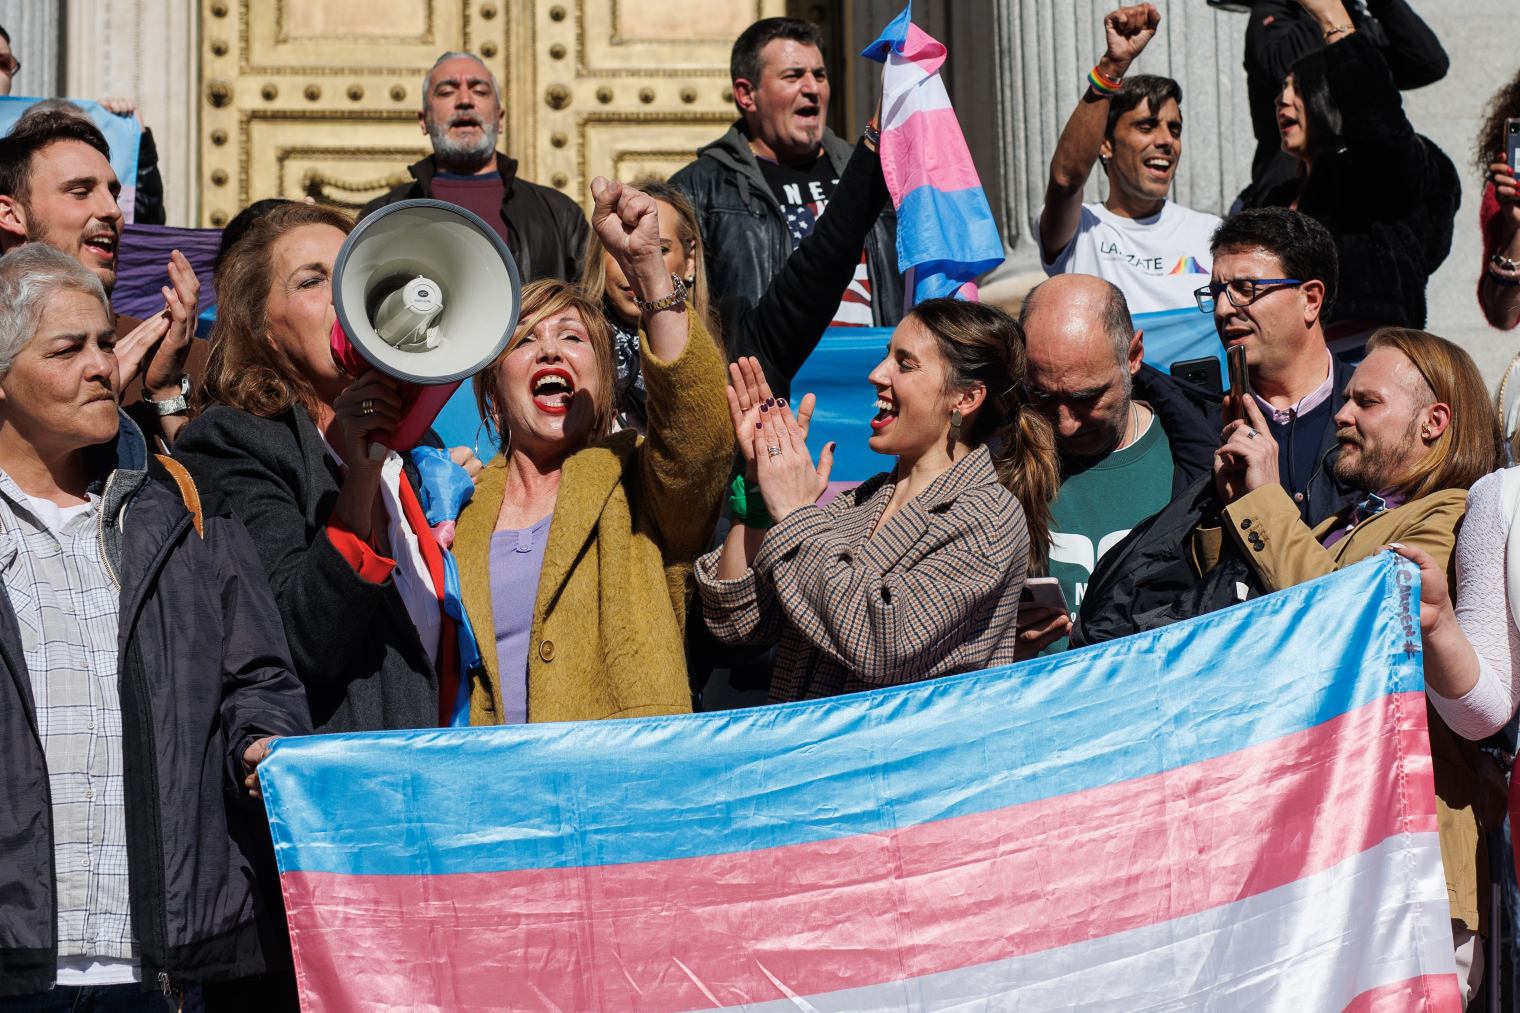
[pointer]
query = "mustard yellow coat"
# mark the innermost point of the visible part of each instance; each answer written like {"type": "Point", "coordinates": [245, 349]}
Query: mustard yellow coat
{"type": "Point", "coordinates": [631, 517]}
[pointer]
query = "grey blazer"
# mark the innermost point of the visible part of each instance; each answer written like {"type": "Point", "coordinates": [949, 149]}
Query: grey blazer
{"type": "Point", "coordinates": [934, 592]}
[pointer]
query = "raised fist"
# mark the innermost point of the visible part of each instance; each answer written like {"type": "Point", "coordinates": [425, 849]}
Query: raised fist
{"type": "Point", "coordinates": [627, 222]}
{"type": "Point", "coordinates": [1128, 31]}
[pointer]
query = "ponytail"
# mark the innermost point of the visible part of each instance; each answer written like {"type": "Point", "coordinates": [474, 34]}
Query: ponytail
{"type": "Point", "coordinates": [1024, 453]}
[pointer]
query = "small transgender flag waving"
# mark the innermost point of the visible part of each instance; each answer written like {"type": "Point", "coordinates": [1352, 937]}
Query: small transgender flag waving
{"type": "Point", "coordinates": [945, 230]}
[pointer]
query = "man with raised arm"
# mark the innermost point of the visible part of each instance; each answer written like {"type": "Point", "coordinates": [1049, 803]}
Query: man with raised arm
{"type": "Point", "coordinates": [1154, 250]}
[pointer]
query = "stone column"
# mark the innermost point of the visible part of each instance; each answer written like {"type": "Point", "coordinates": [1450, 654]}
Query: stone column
{"type": "Point", "coordinates": [147, 50]}
{"type": "Point", "coordinates": [35, 30]}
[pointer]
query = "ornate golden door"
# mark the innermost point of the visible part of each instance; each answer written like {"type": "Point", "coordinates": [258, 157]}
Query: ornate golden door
{"type": "Point", "coordinates": [320, 97]}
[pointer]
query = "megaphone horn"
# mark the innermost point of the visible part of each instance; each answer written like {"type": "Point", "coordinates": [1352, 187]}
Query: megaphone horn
{"type": "Point", "coordinates": [426, 292]}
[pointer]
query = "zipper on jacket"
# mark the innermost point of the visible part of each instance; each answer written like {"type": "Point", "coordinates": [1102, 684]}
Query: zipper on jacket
{"type": "Point", "coordinates": [153, 869]}
{"type": "Point", "coordinates": [100, 533]}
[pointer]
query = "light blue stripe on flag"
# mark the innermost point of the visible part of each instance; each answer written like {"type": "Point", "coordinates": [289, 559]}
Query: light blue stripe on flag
{"type": "Point", "coordinates": [1175, 335]}
{"type": "Point", "coordinates": [649, 789]}
{"type": "Point", "coordinates": [950, 238]}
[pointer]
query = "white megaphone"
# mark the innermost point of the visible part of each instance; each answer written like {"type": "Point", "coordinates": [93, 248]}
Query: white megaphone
{"type": "Point", "coordinates": [428, 293]}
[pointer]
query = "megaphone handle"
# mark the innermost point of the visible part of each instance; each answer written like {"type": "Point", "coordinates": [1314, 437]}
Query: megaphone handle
{"type": "Point", "coordinates": [377, 451]}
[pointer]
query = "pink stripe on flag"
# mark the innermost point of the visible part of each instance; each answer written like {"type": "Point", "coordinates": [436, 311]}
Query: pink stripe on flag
{"type": "Point", "coordinates": [1433, 991]}
{"type": "Point", "coordinates": [926, 52]}
{"type": "Point", "coordinates": [928, 150]}
{"type": "Point", "coordinates": [843, 913]}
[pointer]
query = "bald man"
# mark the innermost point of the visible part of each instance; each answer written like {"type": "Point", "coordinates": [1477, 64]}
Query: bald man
{"type": "Point", "coordinates": [1130, 437]}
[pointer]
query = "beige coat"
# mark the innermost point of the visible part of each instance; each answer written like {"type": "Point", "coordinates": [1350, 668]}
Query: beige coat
{"type": "Point", "coordinates": [631, 516]}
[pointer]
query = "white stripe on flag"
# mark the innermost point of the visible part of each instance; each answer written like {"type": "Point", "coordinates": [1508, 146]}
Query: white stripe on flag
{"type": "Point", "coordinates": [906, 90]}
{"type": "Point", "coordinates": [1378, 918]}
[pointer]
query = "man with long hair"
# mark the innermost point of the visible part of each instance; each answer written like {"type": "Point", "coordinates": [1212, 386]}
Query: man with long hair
{"type": "Point", "coordinates": [1415, 431]}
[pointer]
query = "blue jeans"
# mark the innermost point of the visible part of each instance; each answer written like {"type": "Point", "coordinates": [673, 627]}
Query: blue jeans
{"type": "Point", "coordinates": [89, 999]}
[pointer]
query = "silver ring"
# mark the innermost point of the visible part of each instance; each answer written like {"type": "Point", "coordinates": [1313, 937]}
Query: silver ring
{"type": "Point", "coordinates": [774, 451]}
{"type": "Point", "coordinates": [1251, 434]}
{"type": "Point", "coordinates": [367, 406]}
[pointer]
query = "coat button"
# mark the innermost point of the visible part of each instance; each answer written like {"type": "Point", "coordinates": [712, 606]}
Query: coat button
{"type": "Point", "coordinates": [546, 650]}
{"type": "Point", "coordinates": [1298, 497]}
{"type": "Point", "coordinates": [1245, 525]}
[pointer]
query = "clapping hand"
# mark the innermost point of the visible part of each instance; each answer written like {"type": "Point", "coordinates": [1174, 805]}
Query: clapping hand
{"type": "Point", "coordinates": [749, 399]}
{"type": "Point", "coordinates": [157, 347]}
{"type": "Point", "coordinates": [783, 466]}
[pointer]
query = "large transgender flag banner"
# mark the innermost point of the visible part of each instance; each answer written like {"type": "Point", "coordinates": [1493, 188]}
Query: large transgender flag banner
{"type": "Point", "coordinates": [946, 235]}
{"type": "Point", "coordinates": [1234, 813]}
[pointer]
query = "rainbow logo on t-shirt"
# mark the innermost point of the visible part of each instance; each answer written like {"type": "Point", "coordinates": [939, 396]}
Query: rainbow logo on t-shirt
{"type": "Point", "coordinates": [1188, 265]}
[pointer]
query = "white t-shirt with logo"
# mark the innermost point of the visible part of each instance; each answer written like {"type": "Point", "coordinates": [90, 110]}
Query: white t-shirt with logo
{"type": "Point", "coordinates": [1157, 262]}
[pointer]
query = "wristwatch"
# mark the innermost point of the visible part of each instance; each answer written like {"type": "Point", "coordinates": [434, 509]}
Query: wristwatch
{"type": "Point", "coordinates": [676, 297]}
{"type": "Point", "coordinates": [173, 405]}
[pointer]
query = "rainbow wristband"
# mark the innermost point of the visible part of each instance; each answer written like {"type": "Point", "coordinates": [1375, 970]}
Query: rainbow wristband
{"type": "Point", "coordinates": [1104, 86]}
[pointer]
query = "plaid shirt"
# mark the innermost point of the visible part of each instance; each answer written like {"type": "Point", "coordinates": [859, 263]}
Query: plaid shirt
{"type": "Point", "coordinates": [66, 607]}
{"type": "Point", "coordinates": [934, 592]}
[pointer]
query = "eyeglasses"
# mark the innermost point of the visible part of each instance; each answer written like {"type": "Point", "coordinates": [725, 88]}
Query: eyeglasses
{"type": "Point", "coordinates": [10, 65]}
{"type": "Point", "coordinates": [1240, 291]}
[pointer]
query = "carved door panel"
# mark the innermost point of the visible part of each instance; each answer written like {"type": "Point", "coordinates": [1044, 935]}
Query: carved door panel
{"type": "Point", "coordinates": [629, 88]}
{"type": "Point", "coordinates": [319, 97]}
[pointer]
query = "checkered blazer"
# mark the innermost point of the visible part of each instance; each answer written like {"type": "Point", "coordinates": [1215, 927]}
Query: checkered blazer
{"type": "Point", "coordinates": [934, 592]}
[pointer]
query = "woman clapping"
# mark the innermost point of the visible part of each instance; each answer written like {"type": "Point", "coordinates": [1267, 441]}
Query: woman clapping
{"type": "Point", "coordinates": [917, 572]}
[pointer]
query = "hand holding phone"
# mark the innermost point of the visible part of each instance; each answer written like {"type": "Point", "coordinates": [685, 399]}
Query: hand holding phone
{"type": "Point", "coordinates": [1240, 383]}
{"type": "Point", "coordinates": [1512, 143]}
{"type": "Point", "coordinates": [1045, 593]}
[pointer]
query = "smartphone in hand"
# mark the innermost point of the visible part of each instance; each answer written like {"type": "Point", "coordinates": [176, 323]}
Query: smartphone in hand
{"type": "Point", "coordinates": [1512, 143]}
{"type": "Point", "coordinates": [1240, 382]}
{"type": "Point", "coordinates": [1044, 592]}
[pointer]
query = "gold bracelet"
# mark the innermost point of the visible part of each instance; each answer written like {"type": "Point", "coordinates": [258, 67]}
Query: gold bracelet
{"type": "Point", "coordinates": [1338, 30]}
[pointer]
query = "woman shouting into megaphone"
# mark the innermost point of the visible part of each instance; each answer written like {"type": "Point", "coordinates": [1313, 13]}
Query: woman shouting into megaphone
{"type": "Point", "coordinates": [283, 441]}
{"type": "Point", "coordinates": [578, 546]}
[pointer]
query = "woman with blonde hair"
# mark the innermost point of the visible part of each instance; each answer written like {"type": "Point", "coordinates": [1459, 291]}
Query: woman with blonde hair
{"type": "Point", "coordinates": [577, 547]}
{"type": "Point", "coordinates": [917, 572]}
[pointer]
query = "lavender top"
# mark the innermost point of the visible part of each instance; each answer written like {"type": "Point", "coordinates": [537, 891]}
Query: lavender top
{"type": "Point", "coordinates": [517, 557]}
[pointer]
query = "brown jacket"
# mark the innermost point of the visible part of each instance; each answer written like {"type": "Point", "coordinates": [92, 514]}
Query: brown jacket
{"type": "Point", "coordinates": [1266, 526]}
{"type": "Point", "coordinates": [934, 592]}
{"type": "Point", "coordinates": [631, 515]}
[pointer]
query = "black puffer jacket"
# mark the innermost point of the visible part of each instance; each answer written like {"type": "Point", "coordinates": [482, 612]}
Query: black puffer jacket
{"type": "Point", "coordinates": [745, 232]}
{"type": "Point", "coordinates": [548, 229]}
{"type": "Point", "coordinates": [202, 671]}
{"type": "Point", "coordinates": [1150, 578]}
{"type": "Point", "coordinates": [1189, 416]}
{"type": "Point", "coordinates": [352, 642]}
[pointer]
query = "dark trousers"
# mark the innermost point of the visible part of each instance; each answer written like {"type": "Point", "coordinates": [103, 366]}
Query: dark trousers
{"type": "Point", "coordinates": [89, 999]}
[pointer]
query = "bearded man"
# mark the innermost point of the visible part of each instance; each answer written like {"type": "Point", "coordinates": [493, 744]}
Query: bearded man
{"type": "Point", "coordinates": [462, 116]}
{"type": "Point", "coordinates": [1415, 431]}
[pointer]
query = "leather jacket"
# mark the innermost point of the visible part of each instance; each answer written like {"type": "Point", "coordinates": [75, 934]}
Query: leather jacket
{"type": "Point", "coordinates": [745, 232]}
